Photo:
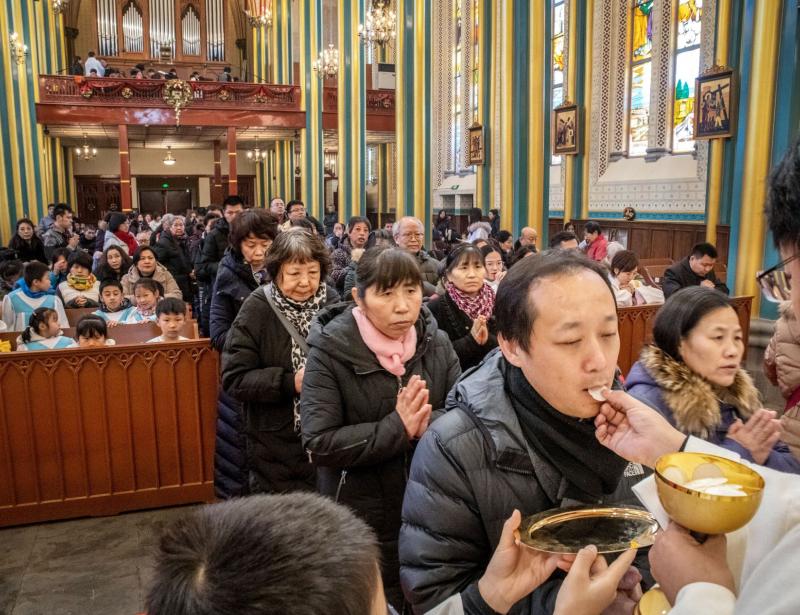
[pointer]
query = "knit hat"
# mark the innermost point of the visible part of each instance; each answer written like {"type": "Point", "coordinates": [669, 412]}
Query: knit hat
{"type": "Point", "coordinates": [115, 221]}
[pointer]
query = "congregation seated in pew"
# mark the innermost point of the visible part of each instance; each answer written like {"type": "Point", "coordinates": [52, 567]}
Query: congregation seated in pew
{"type": "Point", "coordinates": [116, 308]}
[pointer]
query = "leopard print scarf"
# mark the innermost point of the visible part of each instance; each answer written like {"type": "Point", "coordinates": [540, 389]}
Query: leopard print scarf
{"type": "Point", "coordinates": [300, 314]}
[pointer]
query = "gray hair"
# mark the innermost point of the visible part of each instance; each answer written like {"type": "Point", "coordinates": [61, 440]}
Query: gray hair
{"type": "Point", "coordinates": [169, 219]}
{"type": "Point", "coordinates": [397, 225]}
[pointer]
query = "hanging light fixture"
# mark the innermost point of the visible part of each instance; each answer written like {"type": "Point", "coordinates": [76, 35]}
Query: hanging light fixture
{"type": "Point", "coordinates": [327, 64]}
{"type": "Point", "coordinates": [59, 6]}
{"type": "Point", "coordinates": [18, 49]}
{"type": "Point", "coordinates": [380, 26]}
{"type": "Point", "coordinates": [259, 13]}
{"type": "Point", "coordinates": [85, 151]}
{"type": "Point", "coordinates": [169, 159]}
{"type": "Point", "coordinates": [257, 154]}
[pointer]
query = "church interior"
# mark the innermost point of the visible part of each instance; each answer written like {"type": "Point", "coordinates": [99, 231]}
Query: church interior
{"type": "Point", "coordinates": [649, 142]}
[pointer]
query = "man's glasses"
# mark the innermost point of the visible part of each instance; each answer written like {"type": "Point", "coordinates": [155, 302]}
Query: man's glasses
{"type": "Point", "coordinates": [412, 235]}
{"type": "Point", "coordinates": [775, 282]}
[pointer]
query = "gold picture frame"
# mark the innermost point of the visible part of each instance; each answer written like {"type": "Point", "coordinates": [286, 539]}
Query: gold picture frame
{"type": "Point", "coordinates": [715, 104]}
{"type": "Point", "coordinates": [477, 145]}
{"type": "Point", "coordinates": [566, 130]}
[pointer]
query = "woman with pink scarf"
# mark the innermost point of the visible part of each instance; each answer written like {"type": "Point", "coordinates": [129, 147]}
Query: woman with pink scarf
{"type": "Point", "coordinates": [377, 374]}
{"type": "Point", "coordinates": [466, 310]}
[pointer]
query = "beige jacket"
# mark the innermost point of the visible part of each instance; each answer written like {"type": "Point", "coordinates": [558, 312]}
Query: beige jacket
{"type": "Point", "coordinates": [161, 275]}
{"type": "Point", "coordinates": [782, 367]}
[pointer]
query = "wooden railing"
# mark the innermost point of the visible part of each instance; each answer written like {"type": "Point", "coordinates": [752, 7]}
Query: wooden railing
{"type": "Point", "coordinates": [636, 328]}
{"type": "Point", "coordinates": [150, 93]}
{"type": "Point", "coordinates": [98, 432]}
{"type": "Point", "coordinates": [379, 102]}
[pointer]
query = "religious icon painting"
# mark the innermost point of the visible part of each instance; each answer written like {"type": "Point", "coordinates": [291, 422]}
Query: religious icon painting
{"type": "Point", "coordinates": [476, 144]}
{"type": "Point", "coordinates": [715, 104]}
{"type": "Point", "coordinates": [566, 129]}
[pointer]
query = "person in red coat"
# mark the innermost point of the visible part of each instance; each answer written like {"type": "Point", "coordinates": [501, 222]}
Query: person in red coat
{"type": "Point", "coordinates": [596, 243]}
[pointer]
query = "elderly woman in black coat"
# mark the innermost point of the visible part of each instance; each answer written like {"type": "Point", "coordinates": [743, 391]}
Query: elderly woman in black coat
{"type": "Point", "coordinates": [241, 271]}
{"type": "Point", "coordinates": [172, 251]}
{"type": "Point", "coordinates": [264, 360]}
{"type": "Point", "coordinates": [375, 373]}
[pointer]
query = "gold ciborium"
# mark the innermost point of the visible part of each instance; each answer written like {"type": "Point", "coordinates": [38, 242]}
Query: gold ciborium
{"type": "Point", "coordinates": [696, 509]}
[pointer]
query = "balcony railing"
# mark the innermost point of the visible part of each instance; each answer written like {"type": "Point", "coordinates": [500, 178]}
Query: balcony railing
{"type": "Point", "coordinates": [150, 93]}
{"type": "Point", "coordinates": [379, 102]}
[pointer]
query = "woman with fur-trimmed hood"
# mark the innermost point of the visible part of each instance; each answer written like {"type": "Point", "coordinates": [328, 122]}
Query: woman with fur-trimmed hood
{"type": "Point", "coordinates": [692, 375]}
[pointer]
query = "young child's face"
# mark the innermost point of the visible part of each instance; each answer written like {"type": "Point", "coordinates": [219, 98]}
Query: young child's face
{"type": "Point", "coordinates": [42, 284]}
{"type": "Point", "coordinates": [51, 328]}
{"type": "Point", "coordinates": [112, 297]}
{"type": "Point", "coordinates": [145, 298]}
{"type": "Point", "coordinates": [79, 270]}
{"type": "Point", "coordinates": [171, 325]}
{"type": "Point", "coordinates": [91, 342]}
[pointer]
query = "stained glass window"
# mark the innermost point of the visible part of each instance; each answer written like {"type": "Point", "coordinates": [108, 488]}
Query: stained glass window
{"type": "Point", "coordinates": [455, 114]}
{"type": "Point", "coordinates": [687, 67]}
{"type": "Point", "coordinates": [641, 57]}
{"type": "Point", "coordinates": [558, 59]}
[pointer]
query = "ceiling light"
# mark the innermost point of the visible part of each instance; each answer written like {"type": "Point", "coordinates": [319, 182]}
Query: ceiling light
{"type": "Point", "coordinates": [169, 159]}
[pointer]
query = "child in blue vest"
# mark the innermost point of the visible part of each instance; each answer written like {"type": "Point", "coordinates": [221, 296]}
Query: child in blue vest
{"type": "Point", "coordinates": [33, 292]}
{"type": "Point", "coordinates": [115, 307]}
{"type": "Point", "coordinates": [148, 293]}
{"type": "Point", "coordinates": [43, 332]}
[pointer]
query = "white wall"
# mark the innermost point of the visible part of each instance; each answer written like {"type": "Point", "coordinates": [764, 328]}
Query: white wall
{"type": "Point", "coordinates": [149, 161]}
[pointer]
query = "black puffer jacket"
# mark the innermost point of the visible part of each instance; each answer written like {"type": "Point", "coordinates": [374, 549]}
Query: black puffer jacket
{"type": "Point", "coordinates": [471, 469]}
{"type": "Point", "coordinates": [235, 282]}
{"type": "Point", "coordinates": [214, 246]}
{"type": "Point", "coordinates": [350, 426]}
{"type": "Point", "coordinates": [257, 371]}
{"type": "Point", "coordinates": [458, 327]}
{"type": "Point", "coordinates": [173, 253]}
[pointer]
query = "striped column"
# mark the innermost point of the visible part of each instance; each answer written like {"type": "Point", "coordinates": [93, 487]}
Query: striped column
{"type": "Point", "coordinates": [33, 164]}
{"type": "Point", "coordinates": [281, 72]}
{"type": "Point", "coordinates": [588, 42]}
{"type": "Point", "coordinates": [576, 66]}
{"type": "Point", "coordinates": [525, 115]}
{"type": "Point", "coordinates": [351, 112]}
{"type": "Point", "coordinates": [312, 161]}
{"type": "Point", "coordinates": [486, 108]}
{"type": "Point", "coordinates": [413, 119]}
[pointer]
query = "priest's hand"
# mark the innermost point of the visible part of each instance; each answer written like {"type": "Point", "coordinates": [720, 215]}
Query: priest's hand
{"type": "Point", "coordinates": [635, 431]}
{"type": "Point", "coordinates": [514, 570]}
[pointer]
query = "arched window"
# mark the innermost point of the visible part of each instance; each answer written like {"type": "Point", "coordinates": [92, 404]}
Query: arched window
{"type": "Point", "coordinates": [558, 59]}
{"type": "Point", "coordinates": [687, 67]}
{"type": "Point", "coordinates": [641, 69]}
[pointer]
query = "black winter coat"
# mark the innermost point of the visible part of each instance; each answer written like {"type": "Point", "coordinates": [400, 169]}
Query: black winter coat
{"type": "Point", "coordinates": [680, 275]}
{"type": "Point", "coordinates": [472, 468]}
{"type": "Point", "coordinates": [214, 246]}
{"type": "Point", "coordinates": [257, 371]}
{"type": "Point", "coordinates": [174, 255]}
{"type": "Point", "coordinates": [27, 251]}
{"type": "Point", "coordinates": [458, 327]}
{"type": "Point", "coordinates": [235, 282]}
{"type": "Point", "coordinates": [350, 426]}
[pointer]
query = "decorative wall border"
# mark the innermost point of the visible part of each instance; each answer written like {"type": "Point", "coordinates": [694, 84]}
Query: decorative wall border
{"type": "Point", "coordinates": [619, 146]}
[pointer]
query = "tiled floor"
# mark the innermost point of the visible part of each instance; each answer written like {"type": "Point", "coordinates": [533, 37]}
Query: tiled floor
{"type": "Point", "coordinates": [97, 566]}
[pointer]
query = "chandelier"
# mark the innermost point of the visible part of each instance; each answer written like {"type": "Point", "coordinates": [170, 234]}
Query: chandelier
{"type": "Point", "coordinates": [259, 13]}
{"type": "Point", "coordinates": [59, 6]}
{"type": "Point", "coordinates": [85, 151]}
{"type": "Point", "coordinates": [18, 49]}
{"type": "Point", "coordinates": [257, 154]}
{"type": "Point", "coordinates": [327, 65]}
{"type": "Point", "coordinates": [169, 159]}
{"type": "Point", "coordinates": [380, 25]}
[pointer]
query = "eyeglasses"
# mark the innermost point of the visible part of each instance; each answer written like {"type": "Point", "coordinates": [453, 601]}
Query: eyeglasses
{"type": "Point", "coordinates": [775, 282]}
{"type": "Point", "coordinates": [412, 235]}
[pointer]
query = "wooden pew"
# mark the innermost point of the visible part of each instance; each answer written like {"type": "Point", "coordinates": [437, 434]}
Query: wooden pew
{"type": "Point", "coordinates": [74, 314]}
{"type": "Point", "coordinates": [88, 432]}
{"type": "Point", "coordinates": [636, 328]}
{"type": "Point", "coordinates": [652, 269]}
{"type": "Point", "coordinates": [123, 335]}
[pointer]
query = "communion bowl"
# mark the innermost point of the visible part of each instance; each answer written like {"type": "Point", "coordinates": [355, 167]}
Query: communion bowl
{"type": "Point", "coordinates": [701, 512]}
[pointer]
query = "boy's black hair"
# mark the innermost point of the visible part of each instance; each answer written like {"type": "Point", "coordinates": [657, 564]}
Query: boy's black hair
{"type": "Point", "coordinates": [11, 269]}
{"type": "Point", "coordinates": [171, 306]}
{"type": "Point", "coordinates": [150, 284]}
{"type": "Point", "coordinates": [91, 325]}
{"type": "Point", "coordinates": [109, 282]}
{"type": "Point", "coordinates": [34, 270]}
{"type": "Point", "coordinates": [81, 259]}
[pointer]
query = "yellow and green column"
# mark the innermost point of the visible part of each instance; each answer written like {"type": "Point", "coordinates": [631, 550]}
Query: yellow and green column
{"type": "Point", "coordinates": [311, 145]}
{"type": "Point", "coordinates": [352, 120]}
{"type": "Point", "coordinates": [525, 113]}
{"type": "Point", "coordinates": [413, 112]}
{"type": "Point", "coordinates": [281, 68]}
{"type": "Point", "coordinates": [33, 164]}
{"type": "Point", "coordinates": [484, 191]}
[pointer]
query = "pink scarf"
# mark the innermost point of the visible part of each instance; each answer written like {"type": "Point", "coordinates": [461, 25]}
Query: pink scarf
{"type": "Point", "coordinates": [392, 354]}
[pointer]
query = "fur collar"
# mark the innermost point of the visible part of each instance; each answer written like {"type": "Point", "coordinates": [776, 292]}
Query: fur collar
{"type": "Point", "coordinates": [695, 402]}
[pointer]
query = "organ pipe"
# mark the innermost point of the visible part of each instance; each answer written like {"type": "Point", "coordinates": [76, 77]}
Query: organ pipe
{"type": "Point", "coordinates": [215, 31]}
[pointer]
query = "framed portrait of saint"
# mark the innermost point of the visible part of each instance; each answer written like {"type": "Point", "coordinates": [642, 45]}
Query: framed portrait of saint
{"type": "Point", "coordinates": [715, 104]}
{"type": "Point", "coordinates": [566, 129]}
{"type": "Point", "coordinates": [476, 144]}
